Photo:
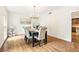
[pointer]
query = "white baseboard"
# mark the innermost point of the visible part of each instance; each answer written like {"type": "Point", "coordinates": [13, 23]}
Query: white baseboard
{"type": "Point", "coordinates": [3, 42]}
{"type": "Point", "coordinates": [60, 38]}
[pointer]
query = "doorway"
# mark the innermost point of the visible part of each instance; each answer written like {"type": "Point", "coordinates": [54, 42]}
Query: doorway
{"type": "Point", "coordinates": [75, 27]}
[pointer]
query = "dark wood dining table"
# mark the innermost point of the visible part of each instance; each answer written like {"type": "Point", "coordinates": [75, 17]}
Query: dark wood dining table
{"type": "Point", "coordinates": [33, 33]}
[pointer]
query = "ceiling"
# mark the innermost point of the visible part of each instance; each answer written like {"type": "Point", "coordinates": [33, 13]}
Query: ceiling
{"type": "Point", "coordinates": [30, 9]}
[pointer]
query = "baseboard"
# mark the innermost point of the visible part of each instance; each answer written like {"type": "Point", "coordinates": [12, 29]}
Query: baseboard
{"type": "Point", "coordinates": [1, 48]}
{"type": "Point", "coordinates": [57, 38]}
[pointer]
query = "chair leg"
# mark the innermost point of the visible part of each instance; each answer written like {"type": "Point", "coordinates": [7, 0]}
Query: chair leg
{"type": "Point", "coordinates": [25, 39]}
{"type": "Point", "coordinates": [28, 41]}
{"type": "Point", "coordinates": [39, 43]}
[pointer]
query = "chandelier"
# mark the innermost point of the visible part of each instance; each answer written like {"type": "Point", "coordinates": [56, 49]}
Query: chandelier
{"type": "Point", "coordinates": [34, 15]}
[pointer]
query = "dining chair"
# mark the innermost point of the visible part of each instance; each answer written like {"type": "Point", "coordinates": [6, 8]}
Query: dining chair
{"type": "Point", "coordinates": [27, 35]}
{"type": "Point", "coordinates": [41, 35]}
{"type": "Point", "coordinates": [11, 31]}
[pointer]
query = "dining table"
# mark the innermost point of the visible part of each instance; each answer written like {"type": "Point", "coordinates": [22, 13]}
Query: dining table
{"type": "Point", "coordinates": [33, 33]}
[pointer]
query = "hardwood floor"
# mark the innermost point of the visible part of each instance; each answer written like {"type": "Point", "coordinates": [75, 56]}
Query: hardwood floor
{"type": "Point", "coordinates": [17, 44]}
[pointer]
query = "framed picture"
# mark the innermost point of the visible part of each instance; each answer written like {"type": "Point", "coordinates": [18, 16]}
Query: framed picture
{"type": "Point", "coordinates": [25, 20]}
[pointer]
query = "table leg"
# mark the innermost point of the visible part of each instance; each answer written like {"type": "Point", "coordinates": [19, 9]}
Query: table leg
{"type": "Point", "coordinates": [25, 38]}
{"type": "Point", "coordinates": [33, 40]}
{"type": "Point", "coordinates": [45, 41]}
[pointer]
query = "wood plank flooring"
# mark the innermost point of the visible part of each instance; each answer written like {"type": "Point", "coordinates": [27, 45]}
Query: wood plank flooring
{"type": "Point", "coordinates": [18, 44]}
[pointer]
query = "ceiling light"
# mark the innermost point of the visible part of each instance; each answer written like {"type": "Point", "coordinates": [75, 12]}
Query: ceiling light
{"type": "Point", "coordinates": [34, 15]}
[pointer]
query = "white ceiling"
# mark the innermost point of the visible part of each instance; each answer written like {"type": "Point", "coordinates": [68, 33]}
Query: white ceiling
{"type": "Point", "coordinates": [30, 9]}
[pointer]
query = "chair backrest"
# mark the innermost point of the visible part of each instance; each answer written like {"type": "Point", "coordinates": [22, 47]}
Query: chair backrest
{"type": "Point", "coordinates": [41, 35]}
{"type": "Point", "coordinates": [27, 32]}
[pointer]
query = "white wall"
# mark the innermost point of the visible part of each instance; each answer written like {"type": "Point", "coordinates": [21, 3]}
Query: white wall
{"type": "Point", "coordinates": [59, 22]}
{"type": "Point", "coordinates": [3, 24]}
{"type": "Point", "coordinates": [14, 19]}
